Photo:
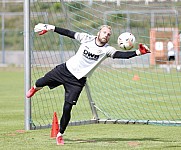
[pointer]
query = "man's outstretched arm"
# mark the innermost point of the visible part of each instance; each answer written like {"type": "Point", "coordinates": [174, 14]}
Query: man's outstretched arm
{"type": "Point", "coordinates": [44, 28]}
{"type": "Point", "coordinates": [65, 32]}
{"type": "Point", "coordinates": [143, 49]}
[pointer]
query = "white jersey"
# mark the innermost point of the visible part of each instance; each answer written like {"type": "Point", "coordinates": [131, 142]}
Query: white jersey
{"type": "Point", "coordinates": [88, 56]}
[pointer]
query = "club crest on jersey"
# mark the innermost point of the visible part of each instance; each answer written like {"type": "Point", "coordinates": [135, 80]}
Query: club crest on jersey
{"type": "Point", "coordinates": [90, 55]}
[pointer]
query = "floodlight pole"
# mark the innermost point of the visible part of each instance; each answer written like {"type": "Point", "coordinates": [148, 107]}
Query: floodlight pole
{"type": "Point", "coordinates": [27, 64]}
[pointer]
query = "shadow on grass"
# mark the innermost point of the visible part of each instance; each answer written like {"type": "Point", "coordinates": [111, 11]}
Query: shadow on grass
{"type": "Point", "coordinates": [113, 140]}
{"type": "Point", "coordinates": [173, 146]}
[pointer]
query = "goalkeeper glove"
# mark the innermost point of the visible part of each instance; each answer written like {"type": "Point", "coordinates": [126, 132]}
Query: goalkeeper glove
{"type": "Point", "coordinates": [43, 28]}
{"type": "Point", "coordinates": [143, 49]}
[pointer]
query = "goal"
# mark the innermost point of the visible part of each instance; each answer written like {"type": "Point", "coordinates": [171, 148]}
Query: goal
{"type": "Point", "coordinates": [119, 91]}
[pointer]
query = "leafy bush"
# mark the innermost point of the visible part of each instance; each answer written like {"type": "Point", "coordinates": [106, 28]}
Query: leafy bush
{"type": "Point", "coordinates": [57, 7]}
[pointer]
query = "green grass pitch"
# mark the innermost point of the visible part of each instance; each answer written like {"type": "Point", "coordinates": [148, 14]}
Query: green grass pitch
{"type": "Point", "coordinates": [97, 137]}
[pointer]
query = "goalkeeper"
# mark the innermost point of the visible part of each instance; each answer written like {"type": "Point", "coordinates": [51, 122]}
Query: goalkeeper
{"type": "Point", "coordinates": [73, 73]}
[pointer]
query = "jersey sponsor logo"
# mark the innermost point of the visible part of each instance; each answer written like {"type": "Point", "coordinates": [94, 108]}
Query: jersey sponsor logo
{"type": "Point", "coordinates": [90, 55]}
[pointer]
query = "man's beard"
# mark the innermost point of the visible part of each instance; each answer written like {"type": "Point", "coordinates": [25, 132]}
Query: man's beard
{"type": "Point", "coordinates": [102, 41]}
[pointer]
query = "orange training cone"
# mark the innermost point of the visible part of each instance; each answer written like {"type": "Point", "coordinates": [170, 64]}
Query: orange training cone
{"type": "Point", "coordinates": [55, 126]}
{"type": "Point", "coordinates": [136, 77]}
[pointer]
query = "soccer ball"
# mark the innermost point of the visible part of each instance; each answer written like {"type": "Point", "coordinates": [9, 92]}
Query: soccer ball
{"type": "Point", "coordinates": [126, 41]}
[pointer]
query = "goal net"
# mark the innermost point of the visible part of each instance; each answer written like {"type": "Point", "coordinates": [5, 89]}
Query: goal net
{"type": "Point", "coordinates": [119, 91]}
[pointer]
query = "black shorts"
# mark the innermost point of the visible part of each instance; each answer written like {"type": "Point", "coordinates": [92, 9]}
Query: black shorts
{"type": "Point", "coordinates": [60, 75]}
{"type": "Point", "coordinates": [171, 58]}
